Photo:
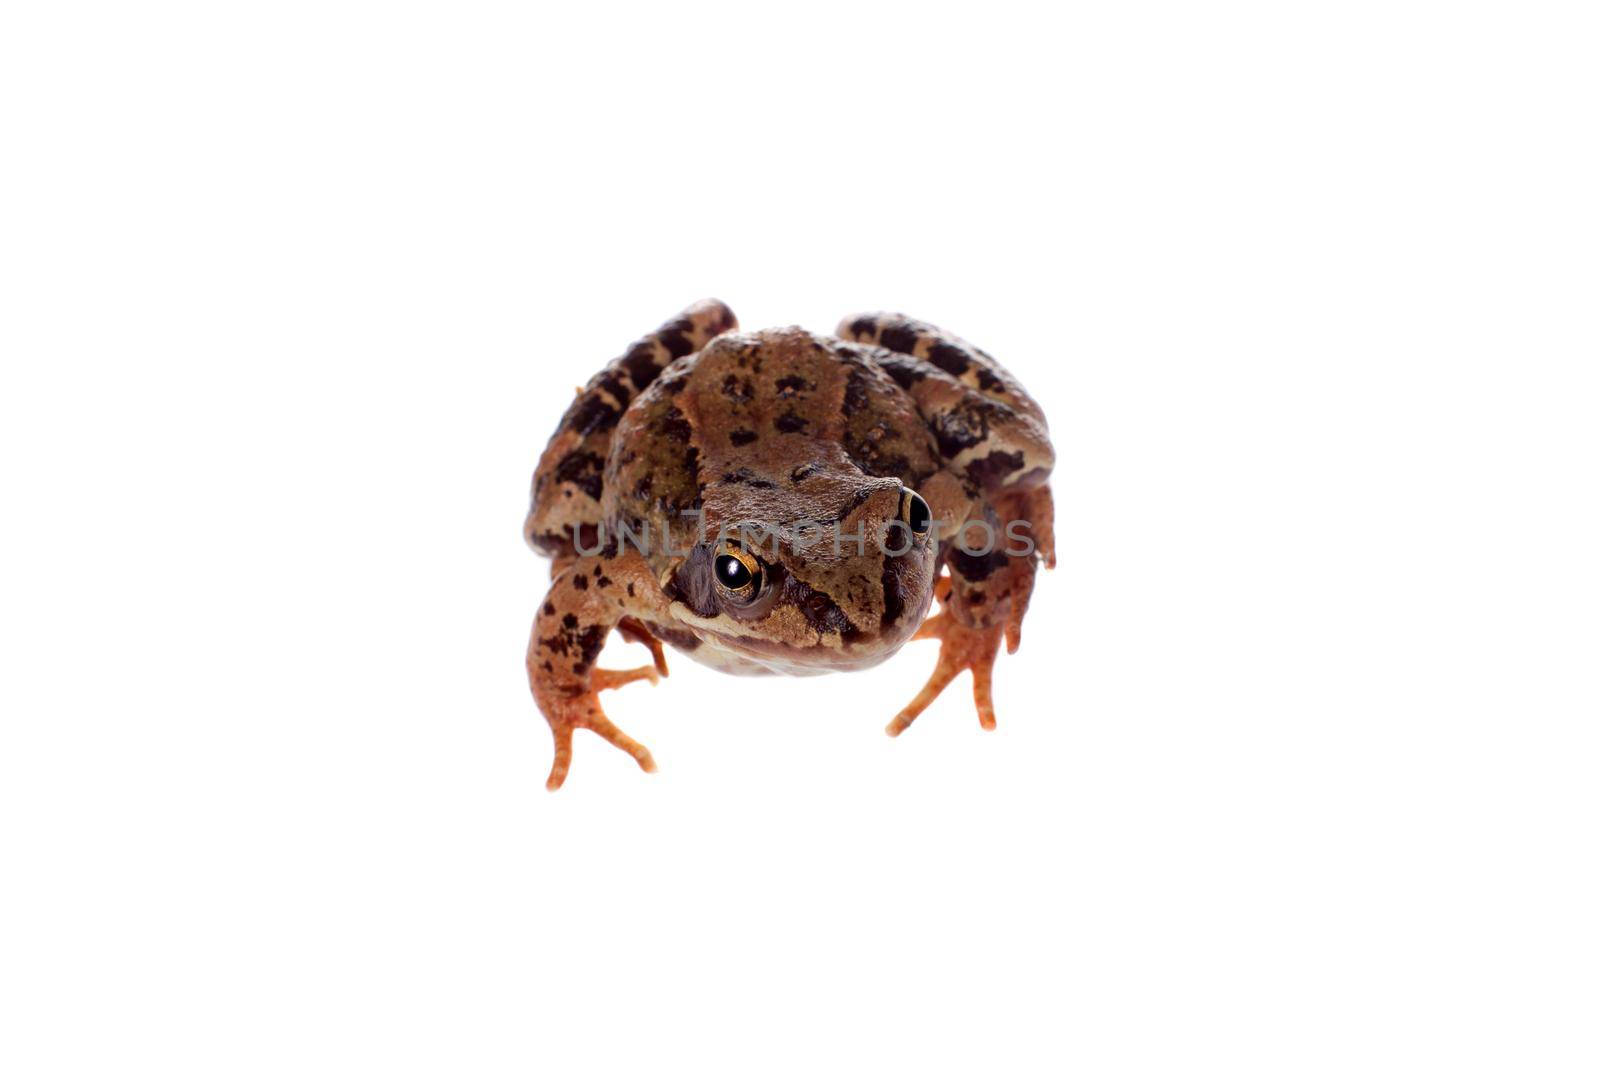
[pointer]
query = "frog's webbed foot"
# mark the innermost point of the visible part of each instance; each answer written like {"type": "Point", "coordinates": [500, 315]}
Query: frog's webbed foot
{"type": "Point", "coordinates": [960, 648]}
{"type": "Point", "coordinates": [570, 712]}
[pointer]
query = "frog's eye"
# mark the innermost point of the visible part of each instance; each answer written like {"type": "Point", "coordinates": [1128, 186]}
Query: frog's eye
{"type": "Point", "coordinates": [737, 571]}
{"type": "Point", "coordinates": [914, 512]}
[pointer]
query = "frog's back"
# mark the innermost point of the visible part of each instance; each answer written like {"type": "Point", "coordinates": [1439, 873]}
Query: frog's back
{"type": "Point", "coordinates": [762, 424]}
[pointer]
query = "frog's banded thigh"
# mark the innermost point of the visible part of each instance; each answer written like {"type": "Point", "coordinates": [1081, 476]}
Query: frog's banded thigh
{"type": "Point", "coordinates": [967, 363]}
{"type": "Point", "coordinates": [568, 481]}
{"type": "Point", "coordinates": [988, 429]}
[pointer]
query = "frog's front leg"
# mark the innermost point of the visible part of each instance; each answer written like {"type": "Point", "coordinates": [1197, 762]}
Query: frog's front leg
{"type": "Point", "coordinates": [960, 648]}
{"type": "Point", "coordinates": [587, 599]}
{"type": "Point", "coordinates": [983, 599]}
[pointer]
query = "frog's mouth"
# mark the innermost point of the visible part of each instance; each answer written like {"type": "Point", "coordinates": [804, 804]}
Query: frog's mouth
{"type": "Point", "coordinates": [803, 630]}
{"type": "Point", "coordinates": [745, 654]}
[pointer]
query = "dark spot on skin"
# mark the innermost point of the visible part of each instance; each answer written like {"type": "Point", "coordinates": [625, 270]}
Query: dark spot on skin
{"type": "Point", "coordinates": [875, 454]}
{"type": "Point", "coordinates": [976, 568]}
{"type": "Point", "coordinates": [855, 392]}
{"type": "Point", "coordinates": [894, 590]}
{"type": "Point", "coordinates": [746, 476]}
{"type": "Point", "coordinates": [789, 422]}
{"type": "Point", "coordinates": [850, 355]}
{"type": "Point", "coordinates": [569, 620]}
{"type": "Point", "coordinates": [801, 473]}
{"type": "Point", "coordinates": [961, 427]}
{"type": "Point", "coordinates": [640, 364]}
{"type": "Point", "coordinates": [948, 358]}
{"type": "Point", "coordinates": [878, 466]}
{"type": "Point", "coordinates": [691, 462]}
{"type": "Point", "coordinates": [737, 389]}
{"type": "Point", "coordinates": [674, 386]}
{"type": "Point", "coordinates": [749, 357]}
{"type": "Point", "coordinates": [630, 590]}
{"type": "Point", "coordinates": [992, 469]}
{"type": "Point", "coordinates": [549, 609]}
{"type": "Point", "coordinates": [896, 539]}
{"type": "Point", "coordinates": [674, 337]}
{"type": "Point", "coordinates": [905, 371]}
{"type": "Point", "coordinates": [590, 413]}
{"type": "Point", "coordinates": [989, 381]}
{"type": "Point", "coordinates": [580, 582]}
{"type": "Point", "coordinates": [612, 383]}
{"type": "Point", "coordinates": [589, 642]}
{"type": "Point", "coordinates": [597, 570]}
{"type": "Point", "coordinates": [740, 438]}
{"type": "Point", "coordinates": [819, 609]}
{"type": "Point", "coordinates": [863, 327]}
{"type": "Point", "coordinates": [898, 338]}
{"type": "Point", "coordinates": [602, 581]}
{"type": "Point", "coordinates": [791, 386]}
{"type": "Point", "coordinates": [672, 425]}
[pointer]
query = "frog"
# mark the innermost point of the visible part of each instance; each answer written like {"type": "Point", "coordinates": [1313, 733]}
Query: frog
{"type": "Point", "coordinates": [781, 502]}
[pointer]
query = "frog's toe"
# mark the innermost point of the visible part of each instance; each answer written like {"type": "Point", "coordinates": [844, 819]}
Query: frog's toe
{"type": "Point", "coordinates": [961, 648]}
{"type": "Point", "coordinates": [583, 712]}
{"type": "Point", "coordinates": [600, 678]}
{"type": "Point", "coordinates": [563, 757]}
{"type": "Point", "coordinates": [1021, 593]}
{"type": "Point", "coordinates": [608, 730]}
{"type": "Point", "coordinates": [932, 627]}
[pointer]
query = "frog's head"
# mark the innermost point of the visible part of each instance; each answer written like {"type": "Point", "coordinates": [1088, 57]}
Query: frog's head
{"type": "Point", "coordinates": [839, 584]}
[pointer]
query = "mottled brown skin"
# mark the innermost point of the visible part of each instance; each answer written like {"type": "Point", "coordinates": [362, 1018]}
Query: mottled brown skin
{"type": "Point", "coordinates": [700, 437]}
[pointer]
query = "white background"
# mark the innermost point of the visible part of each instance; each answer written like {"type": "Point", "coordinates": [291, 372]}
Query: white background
{"type": "Point", "coordinates": [1297, 762]}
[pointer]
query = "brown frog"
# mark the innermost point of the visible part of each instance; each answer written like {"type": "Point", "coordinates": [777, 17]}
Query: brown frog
{"type": "Point", "coordinates": [783, 502]}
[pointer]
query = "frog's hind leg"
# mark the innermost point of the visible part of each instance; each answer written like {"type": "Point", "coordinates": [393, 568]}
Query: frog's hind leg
{"type": "Point", "coordinates": [963, 361]}
{"type": "Point", "coordinates": [565, 509]}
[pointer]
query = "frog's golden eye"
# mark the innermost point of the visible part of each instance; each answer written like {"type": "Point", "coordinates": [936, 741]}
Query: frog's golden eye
{"type": "Point", "coordinates": [914, 512]}
{"type": "Point", "coordinates": [737, 571]}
